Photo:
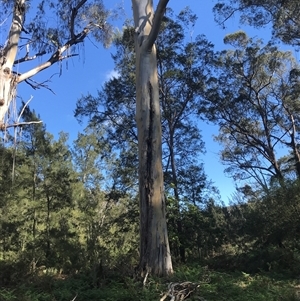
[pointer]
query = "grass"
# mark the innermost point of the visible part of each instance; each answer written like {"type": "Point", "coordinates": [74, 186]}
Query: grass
{"type": "Point", "coordinates": [241, 286]}
{"type": "Point", "coordinates": [212, 286]}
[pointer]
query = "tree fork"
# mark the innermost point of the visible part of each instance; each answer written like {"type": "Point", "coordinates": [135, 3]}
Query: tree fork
{"type": "Point", "coordinates": [10, 79]}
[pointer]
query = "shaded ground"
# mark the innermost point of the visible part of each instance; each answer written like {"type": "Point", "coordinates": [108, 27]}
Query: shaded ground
{"type": "Point", "coordinates": [211, 286]}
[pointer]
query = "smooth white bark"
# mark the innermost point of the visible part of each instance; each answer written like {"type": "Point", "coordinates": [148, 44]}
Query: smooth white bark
{"type": "Point", "coordinates": [154, 245]}
{"type": "Point", "coordinates": [8, 79]}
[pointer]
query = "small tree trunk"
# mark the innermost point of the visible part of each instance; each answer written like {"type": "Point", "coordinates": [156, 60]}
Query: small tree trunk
{"type": "Point", "coordinates": [33, 261]}
{"type": "Point", "coordinates": [48, 244]}
{"type": "Point", "coordinates": [155, 255]}
{"type": "Point", "coordinates": [293, 143]}
{"type": "Point", "coordinates": [176, 195]}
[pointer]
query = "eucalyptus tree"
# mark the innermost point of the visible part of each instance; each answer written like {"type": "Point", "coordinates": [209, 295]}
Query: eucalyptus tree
{"type": "Point", "coordinates": [31, 33]}
{"type": "Point", "coordinates": [250, 100]}
{"type": "Point", "coordinates": [281, 14]}
{"type": "Point", "coordinates": [182, 69]}
{"type": "Point", "coordinates": [287, 97]}
{"type": "Point", "coordinates": [155, 254]}
{"type": "Point", "coordinates": [154, 243]}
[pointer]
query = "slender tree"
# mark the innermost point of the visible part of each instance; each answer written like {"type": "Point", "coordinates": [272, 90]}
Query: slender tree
{"type": "Point", "coordinates": [182, 70]}
{"type": "Point", "coordinates": [250, 100]}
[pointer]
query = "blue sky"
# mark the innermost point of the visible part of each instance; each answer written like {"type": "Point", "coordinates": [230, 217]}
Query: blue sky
{"type": "Point", "coordinates": [89, 71]}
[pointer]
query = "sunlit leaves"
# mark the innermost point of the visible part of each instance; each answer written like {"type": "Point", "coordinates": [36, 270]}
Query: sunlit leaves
{"type": "Point", "coordinates": [249, 97]}
{"type": "Point", "coordinates": [50, 24]}
{"type": "Point", "coordinates": [283, 15]}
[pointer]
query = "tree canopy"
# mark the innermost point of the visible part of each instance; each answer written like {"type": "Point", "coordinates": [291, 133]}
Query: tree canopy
{"type": "Point", "coordinates": [49, 30]}
{"type": "Point", "coordinates": [282, 15]}
{"type": "Point", "coordinates": [253, 98]}
{"type": "Point", "coordinates": [100, 217]}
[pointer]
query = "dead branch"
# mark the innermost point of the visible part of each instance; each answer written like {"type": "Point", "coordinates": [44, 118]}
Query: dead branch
{"type": "Point", "coordinates": [74, 297]}
{"type": "Point", "coordinates": [73, 16]}
{"type": "Point", "coordinates": [27, 57]}
{"type": "Point", "coordinates": [6, 126]}
{"type": "Point", "coordinates": [58, 55]}
{"type": "Point", "coordinates": [4, 20]}
{"type": "Point", "coordinates": [35, 85]}
{"type": "Point", "coordinates": [180, 291]}
{"type": "Point", "coordinates": [145, 279]}
{"type": "Point", "coordinates": [26, 104]}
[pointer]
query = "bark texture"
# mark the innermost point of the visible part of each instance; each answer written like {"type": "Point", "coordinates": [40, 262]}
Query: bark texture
{"type": "Point", "coordinates": [8, 80]}
{"type": "Point", "coordinates": [155, 254]}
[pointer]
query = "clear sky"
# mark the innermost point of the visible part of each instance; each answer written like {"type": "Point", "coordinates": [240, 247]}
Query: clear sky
{"type": "Point", "coordinates": [88, 72]}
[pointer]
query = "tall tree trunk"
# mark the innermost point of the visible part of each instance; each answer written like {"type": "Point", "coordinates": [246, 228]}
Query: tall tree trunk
{"type": "Point", "coordinates": [155, 254]}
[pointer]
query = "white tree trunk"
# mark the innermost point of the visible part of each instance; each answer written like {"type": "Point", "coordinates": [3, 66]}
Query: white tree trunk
{"type": "Point", "coordinates": [8, 80]}
{"type": "Point", "coordinates": [155, 254]}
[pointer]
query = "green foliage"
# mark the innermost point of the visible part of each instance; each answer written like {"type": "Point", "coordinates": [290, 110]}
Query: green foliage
{"type": "Point", "coordinates": [215, 285]}
{"type": "Point", "coordinates": [46, 35]}
{"type": "Point", "coordinates": [69, 216]}
{"type": "Point", "coordinates": [7, 295]}
{"type": "Point", "coordinates": [93, 233]}
{"type": "Point", "coordinates": [262, 234]}
{"type": "Point", "coordinates": [212, 285]}
{"type": "Point", "coordinates": [182, 70]}
{"type": "Point", "coordinates": [282, 15]}
{"type": "Point", "coordinates": [56, 219]}
{"type": "Point", "coordinates": [250, 98]}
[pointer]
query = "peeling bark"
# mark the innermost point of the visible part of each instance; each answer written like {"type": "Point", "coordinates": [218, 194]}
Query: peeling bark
{"type": "Point", "coordinates": [155, 254]}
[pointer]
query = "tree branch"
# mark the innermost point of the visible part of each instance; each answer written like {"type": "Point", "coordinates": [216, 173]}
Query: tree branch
{"type": "Point", "coordinates": [159, 13]}
{"type": "Point", "coordinates": [73, 16]}
{"type": "Point", "coordinates": [27, 57]}
{"type": "Point", "coordinates": [57, 56]}
{"type": "Point", "coordinates": [23, 109]}
{"type": "Point", "coordinates": [229, 16]}
{"type": "Point", "coordinates": [35, 85]}
{"type": "Point", "coordinates": [4, 126]}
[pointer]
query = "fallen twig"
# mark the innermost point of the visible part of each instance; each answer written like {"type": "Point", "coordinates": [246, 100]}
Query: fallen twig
{"type": "Point", "coordinates": [179, 291]}
{"type": "Point", "coordinates": [74, 297]}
